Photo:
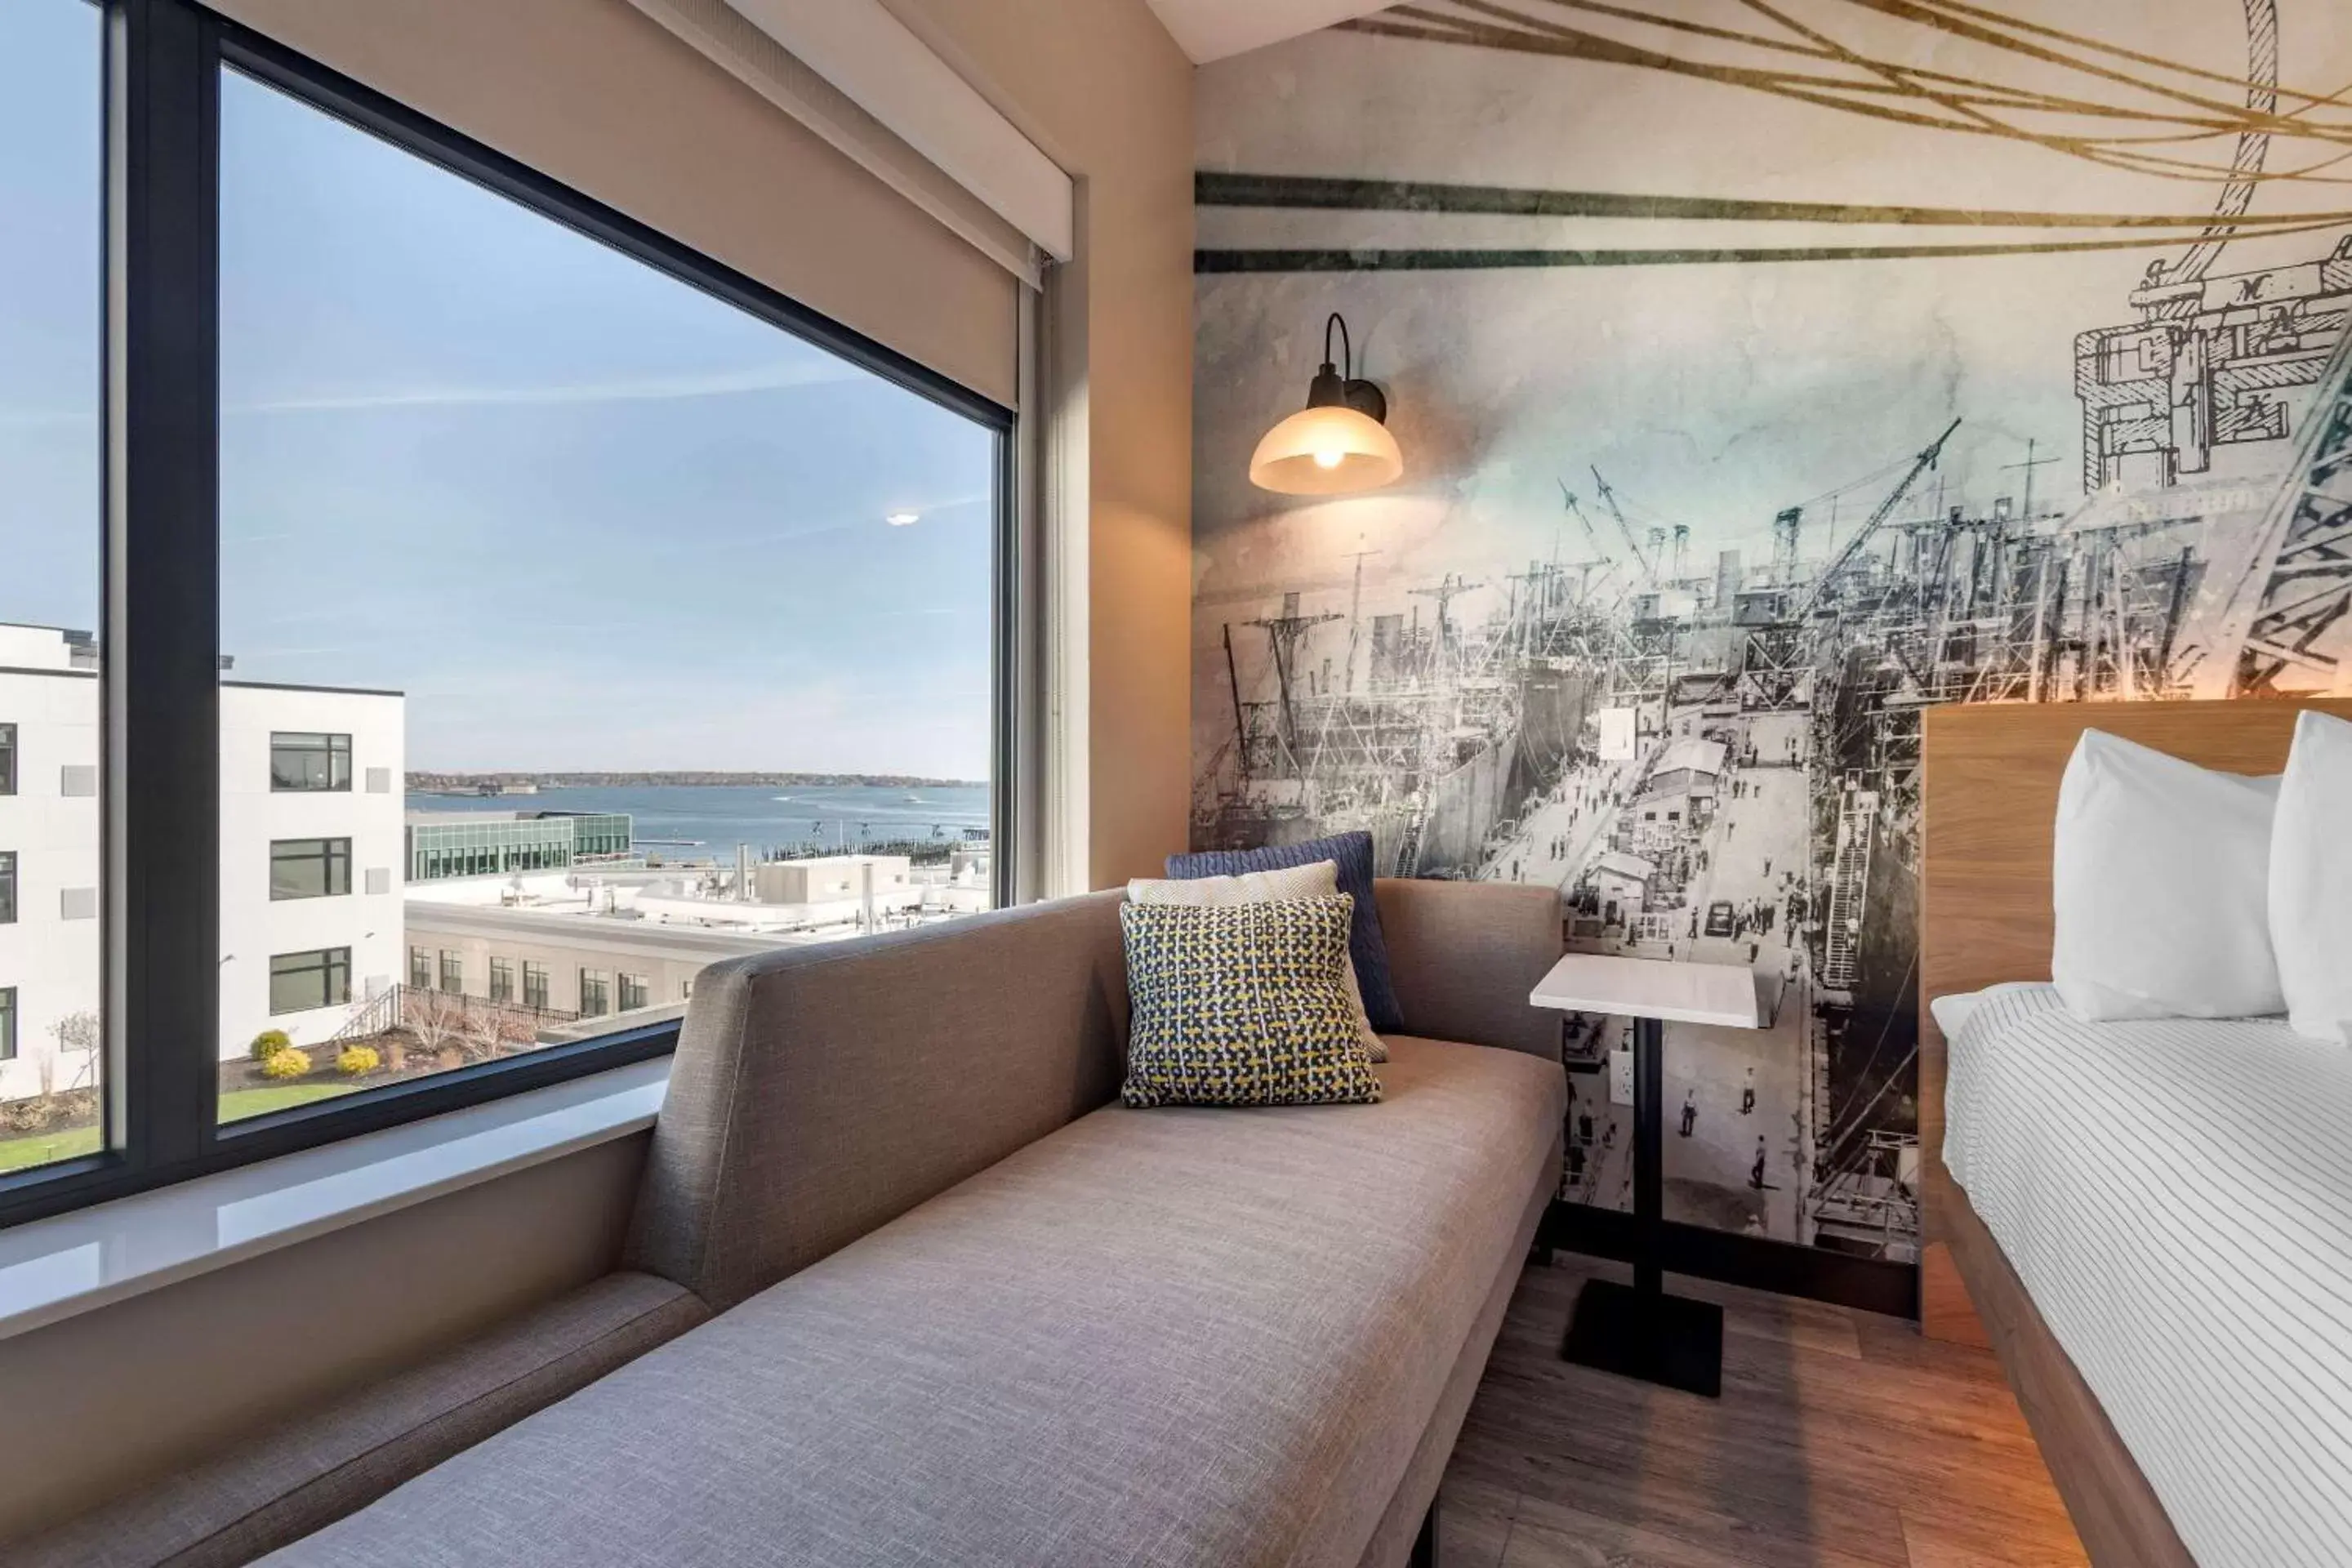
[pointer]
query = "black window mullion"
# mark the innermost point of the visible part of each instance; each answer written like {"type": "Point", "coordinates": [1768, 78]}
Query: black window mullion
{"type": "Point", "coordinates": [162, 691]}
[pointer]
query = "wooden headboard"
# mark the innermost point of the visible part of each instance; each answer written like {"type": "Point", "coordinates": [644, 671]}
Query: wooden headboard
{"type": "Point", "coordinates": [1989, 802]}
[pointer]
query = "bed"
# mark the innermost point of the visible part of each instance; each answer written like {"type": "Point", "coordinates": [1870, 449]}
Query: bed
{"type": "Point", "coordinates": [2150, 1223]}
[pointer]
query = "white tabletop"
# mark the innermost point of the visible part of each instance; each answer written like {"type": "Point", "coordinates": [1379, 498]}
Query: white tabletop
{"type": "Point", "coordinates": [1732, 996]}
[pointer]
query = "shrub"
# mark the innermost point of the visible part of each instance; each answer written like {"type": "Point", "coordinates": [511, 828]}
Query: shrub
{"type": "Point", "coordinates": [357, 1060]}
{"type": "Point", "coordinates": [285, 1062]}
{"type": "Point", "coordinates": [268, 1042]}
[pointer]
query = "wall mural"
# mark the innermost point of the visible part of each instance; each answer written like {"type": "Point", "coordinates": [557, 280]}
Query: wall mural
{"type": "Point", "coordinates": [1765, 374]}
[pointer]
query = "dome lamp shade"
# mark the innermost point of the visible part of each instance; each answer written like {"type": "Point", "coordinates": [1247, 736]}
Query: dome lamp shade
{"type": "Point", "coordinates": [1340, 443]}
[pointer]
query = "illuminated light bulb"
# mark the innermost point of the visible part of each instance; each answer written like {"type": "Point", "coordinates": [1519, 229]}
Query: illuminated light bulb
{"type": "Point", "coordinates": [1340, 443]}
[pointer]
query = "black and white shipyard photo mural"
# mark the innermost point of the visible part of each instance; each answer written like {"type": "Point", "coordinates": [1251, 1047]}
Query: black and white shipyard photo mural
{"type": "Point", "coordinates": [1764, 372]}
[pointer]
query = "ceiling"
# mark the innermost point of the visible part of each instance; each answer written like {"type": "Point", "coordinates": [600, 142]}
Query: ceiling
{"type": "Point", "coordinates": [1212, 29]}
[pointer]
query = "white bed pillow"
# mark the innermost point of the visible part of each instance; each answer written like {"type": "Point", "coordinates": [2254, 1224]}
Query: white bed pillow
{"type": "Point", "coordinates": [1315, 879]}
{"type": "Point", "coordinates": [2311, 879]}
{"type": "Point", "coordinates": [2161, 888]}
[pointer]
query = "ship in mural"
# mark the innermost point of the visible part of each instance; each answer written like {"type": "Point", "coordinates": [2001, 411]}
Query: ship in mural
{"type": "Point", "coordinates": [1719, 760]}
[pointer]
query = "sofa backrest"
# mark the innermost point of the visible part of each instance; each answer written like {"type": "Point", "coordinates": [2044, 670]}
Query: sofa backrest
{"type": "Point", "coordinates": [1463, 956]}
{"type": "Point", "coordinates": [819, 1092]}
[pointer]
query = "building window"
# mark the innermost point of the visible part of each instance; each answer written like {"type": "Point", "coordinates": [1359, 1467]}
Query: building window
{"type": "Point", "coordinates": [595, 993]}
{"type": "Point", "coordinates": [502, 980]}
{"type": "Point", "coordinates": [453, 972]}
{"type": "Point", "coordinates": [636, 991]}
{"type": "Point", "coordinates": [301, 980]}
{"type": "Point", "coordinates": [534, 986]}
{"type": "Point", "coordinates": [300, 761]}
{"type": "Point", "coordinates": [7, 1023]}
{"type": "Point", "coordinates": [7, 759]}
{"type": "Point", "coordinates": [310, 868]}
{"type": "Point", "coordinates": [411, 257]}
{"type": "Point", "coordinates": [7, 887]}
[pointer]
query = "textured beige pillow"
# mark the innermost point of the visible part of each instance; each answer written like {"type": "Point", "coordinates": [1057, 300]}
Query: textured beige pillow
{"type": "Point", "coordinates": [1318, 880]}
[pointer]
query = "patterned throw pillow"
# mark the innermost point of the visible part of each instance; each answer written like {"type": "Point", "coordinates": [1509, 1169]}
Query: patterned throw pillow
{"type": "Point", "coordinates": [1242, 1004]}
{"type": "Point", "coordinates": [1319, 881]}
{"type": "Point", "coordinates": [1352, 853]}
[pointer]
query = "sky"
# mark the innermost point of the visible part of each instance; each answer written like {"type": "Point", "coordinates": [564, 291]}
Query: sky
{"type": "Point", "coordinates": [582, 514]}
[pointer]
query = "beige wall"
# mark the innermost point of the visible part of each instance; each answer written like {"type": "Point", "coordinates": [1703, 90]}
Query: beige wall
{"type": "Point", "coordinates": [1100, 86]}
{"type": "Point", "coordinates": [104, 1402]}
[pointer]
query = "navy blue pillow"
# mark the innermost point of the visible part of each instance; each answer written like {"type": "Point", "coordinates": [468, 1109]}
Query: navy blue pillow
{"type": "Point", "coordinates": [1352, 853]}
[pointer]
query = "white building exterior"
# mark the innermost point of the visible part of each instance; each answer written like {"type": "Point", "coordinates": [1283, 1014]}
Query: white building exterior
{"type": "Point", "coordinates": [50, 971]}
{"type": "Point", "coordinates": [259, 811]}
{"type": "Point", "coordinates": [50, 951]}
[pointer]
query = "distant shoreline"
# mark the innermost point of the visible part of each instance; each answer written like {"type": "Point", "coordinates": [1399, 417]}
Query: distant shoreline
{"type": "Point", "coordinates": [428, 782]}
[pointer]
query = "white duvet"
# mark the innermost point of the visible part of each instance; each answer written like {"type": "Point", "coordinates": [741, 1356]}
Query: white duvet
{"type": "Point", "coordinates": [2176, 1197]}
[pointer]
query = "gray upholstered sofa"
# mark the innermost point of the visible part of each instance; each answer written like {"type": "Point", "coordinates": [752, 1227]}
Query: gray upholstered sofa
{"type": "Point", "coordinates": [906, 1285]}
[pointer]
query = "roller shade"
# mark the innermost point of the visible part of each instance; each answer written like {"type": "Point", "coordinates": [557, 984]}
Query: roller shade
{"type": "Point", "coordinates": [601, 96]}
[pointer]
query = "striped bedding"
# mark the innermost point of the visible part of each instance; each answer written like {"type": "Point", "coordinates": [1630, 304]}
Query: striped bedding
{"type": "Point", "coordinates": [2176, 1197]}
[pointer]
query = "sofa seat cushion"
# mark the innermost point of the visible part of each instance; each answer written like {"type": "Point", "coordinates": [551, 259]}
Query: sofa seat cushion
{"type": "Point", "coordinates": [280, 1485]}
{"type": "Point", "coordinates": [1169, 1336]}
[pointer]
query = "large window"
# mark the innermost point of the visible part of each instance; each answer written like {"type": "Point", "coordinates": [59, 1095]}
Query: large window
{"type": "Point", "coordinates": [7, 887]}
{"type": "Point", "coordinates": [7, 1023]}
{"type": "Point", "coordinates": [303, 762]}
{"type": "Point", "coordinates": [310, 868]}
{"type": "Point", "coordinates": [537, 571]}
{"type": "Point", "coordinates": [299, 982]}
{"type": "Point", "coordinates": [453, 972]}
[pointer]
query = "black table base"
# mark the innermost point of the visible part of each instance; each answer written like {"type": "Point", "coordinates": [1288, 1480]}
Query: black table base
{"type": "Point", "coordinates": [1639, 1331]}
{"type": "Point", "coordinates": [1667, 1340]}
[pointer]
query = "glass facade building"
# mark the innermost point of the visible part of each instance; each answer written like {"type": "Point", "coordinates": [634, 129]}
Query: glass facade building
{"type": "Point", "coordinates": [481, 843]}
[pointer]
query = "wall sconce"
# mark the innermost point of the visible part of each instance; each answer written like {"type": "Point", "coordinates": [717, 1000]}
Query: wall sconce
{"type": "Point", "coordinates": [1339, 442]}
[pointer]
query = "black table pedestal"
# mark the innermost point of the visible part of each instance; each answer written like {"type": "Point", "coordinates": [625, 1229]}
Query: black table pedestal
{"type": "Point", "coordinates": [1639, 1331]}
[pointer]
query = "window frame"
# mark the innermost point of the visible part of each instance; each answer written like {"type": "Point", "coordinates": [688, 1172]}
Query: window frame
{"type": "Point", "coordinates": [327, 858]}
{"type": "Point", "coordinates": [7, 1023]}
{"type": "Point", "coordinates": [8, 758]}
{"type": "Point", "coordinates": [11, 893]}
{"type": "Point", "coordinates": [160, 673]}
{"type": "Point", "coordinates": [326, 967]}
{"type": "Point", "coordinates": [603, 981]}
{"type": "Point", "coordinates": [328, 748]}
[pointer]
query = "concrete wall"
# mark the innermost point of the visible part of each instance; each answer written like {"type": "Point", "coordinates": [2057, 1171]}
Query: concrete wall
{"type": "Point", "coordinates": [1100, 86]}
{"type": "Point", "coordinates": [104, 1402]}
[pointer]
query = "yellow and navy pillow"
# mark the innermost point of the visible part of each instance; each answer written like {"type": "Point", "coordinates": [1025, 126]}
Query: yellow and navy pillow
{"type": "Point", "coordinates": [1243, 1004]}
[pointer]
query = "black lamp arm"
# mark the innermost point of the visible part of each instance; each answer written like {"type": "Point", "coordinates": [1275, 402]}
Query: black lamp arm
{"type": "Point", "coordinates": [1336, 383]}
{"type": "Point", "coordinates": [1348, 348]}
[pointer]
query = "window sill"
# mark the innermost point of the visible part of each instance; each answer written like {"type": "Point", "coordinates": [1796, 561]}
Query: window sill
{"type": "Point", "coordinates": [56, 1269]}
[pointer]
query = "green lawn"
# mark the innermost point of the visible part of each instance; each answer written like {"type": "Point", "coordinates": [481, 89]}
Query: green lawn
{"type": "Point", "coordinates": [41, 1148]}
{"type": "Point", "coordinates": [240, 1103]}
{"type": "Point", "coordinates": [45, 1148]}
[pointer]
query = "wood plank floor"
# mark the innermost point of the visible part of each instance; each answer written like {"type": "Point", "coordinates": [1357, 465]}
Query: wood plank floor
{"type": "Point", "coordinates": [1842, 1441]}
